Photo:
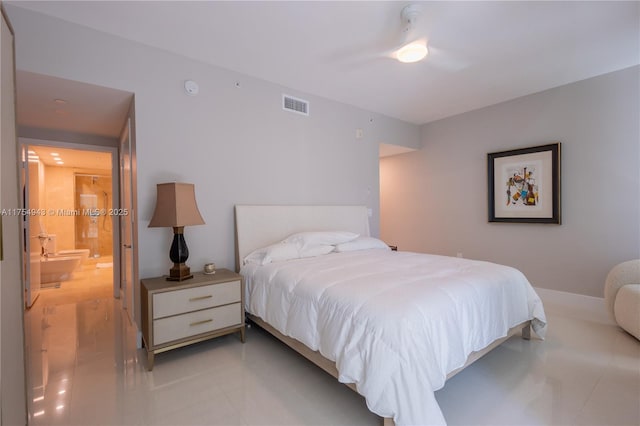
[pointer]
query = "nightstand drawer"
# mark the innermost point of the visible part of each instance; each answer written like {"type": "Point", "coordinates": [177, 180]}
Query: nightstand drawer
{"type": "Point", "coordinates": [191, 299]}
{"type": "Point", "coordinates": [187, 325]}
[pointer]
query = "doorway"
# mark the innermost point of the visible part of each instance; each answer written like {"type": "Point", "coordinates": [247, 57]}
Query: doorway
{"type": "Point", "coordinates": [70, 238]}
{"type": "Point", "coordinates": [66, 114]}
{"type": "Point", "coordinates": [70, 114]}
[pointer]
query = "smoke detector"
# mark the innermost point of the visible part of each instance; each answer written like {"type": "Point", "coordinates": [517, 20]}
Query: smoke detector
{"type": "Point", "coordinates": [191, 87]}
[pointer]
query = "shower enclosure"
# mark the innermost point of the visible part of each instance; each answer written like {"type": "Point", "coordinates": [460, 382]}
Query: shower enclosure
{"type": "Point", "coordinates": [93, 200]}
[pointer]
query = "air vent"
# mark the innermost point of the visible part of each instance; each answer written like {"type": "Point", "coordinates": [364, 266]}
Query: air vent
{"type": "Point", "coordinates": [299, 106]}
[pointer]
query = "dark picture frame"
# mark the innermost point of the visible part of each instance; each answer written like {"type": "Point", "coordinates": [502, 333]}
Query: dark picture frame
{"type": "Point", "coordinates": [524, 185]}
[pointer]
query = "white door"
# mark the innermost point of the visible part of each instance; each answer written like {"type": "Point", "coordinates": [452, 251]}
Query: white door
{"type": "Point", "coordinates": [31, 217]}
{"type": "Point", "coordinates": [13, 410]}
{"type": "Point", "coordinates": [126, 223]}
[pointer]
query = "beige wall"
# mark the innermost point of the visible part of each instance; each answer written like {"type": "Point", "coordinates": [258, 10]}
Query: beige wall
{"type": "Point", "coordinates": [59, 186]}
{"type": "Point", "coordinates": [435, 200]}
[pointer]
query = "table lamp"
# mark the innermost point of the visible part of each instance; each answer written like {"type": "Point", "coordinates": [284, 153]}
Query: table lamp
{"type": "Point", "coordinates": [176, 207]}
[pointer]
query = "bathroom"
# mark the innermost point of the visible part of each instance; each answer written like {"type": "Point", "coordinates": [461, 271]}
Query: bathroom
{"type": "Point", "coordinates": [71, 191]}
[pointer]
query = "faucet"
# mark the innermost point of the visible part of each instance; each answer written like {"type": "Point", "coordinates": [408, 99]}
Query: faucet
{"type": "Point", "coordinates": [44, 238]}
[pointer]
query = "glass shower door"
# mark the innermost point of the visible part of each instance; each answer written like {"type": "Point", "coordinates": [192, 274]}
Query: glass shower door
{"type": "Point", "coordinates": [89, 226]}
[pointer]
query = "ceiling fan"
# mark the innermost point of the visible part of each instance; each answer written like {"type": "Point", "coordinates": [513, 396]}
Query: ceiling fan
{"type": "Point", "coordinates": [411, 45]}
{"type": "Point", "coordinates": [414, 49]}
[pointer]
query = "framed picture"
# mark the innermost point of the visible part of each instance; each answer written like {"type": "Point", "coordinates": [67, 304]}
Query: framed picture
{"type": "Point", "coordinates": [524, 185]}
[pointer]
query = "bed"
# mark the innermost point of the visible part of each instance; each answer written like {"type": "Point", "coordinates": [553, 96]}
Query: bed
{"type": "Point", "coordinates": [393, 326]}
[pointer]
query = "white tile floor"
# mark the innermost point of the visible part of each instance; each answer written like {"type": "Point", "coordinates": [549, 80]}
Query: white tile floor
{"type": "Point", "coordinates": [84, 369]}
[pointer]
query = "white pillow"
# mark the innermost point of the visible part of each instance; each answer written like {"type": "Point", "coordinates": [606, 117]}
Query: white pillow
{"type": "Point", "coordinates": [313, 251]}
{"type": "Point", "coordinates": [362, 243]}
{"type": "Point", "coordinates": [285, 251]}
{"type": "Point", "coordinates": [304, 239]}
{"type": "Point", "coordinates": [273, 253]}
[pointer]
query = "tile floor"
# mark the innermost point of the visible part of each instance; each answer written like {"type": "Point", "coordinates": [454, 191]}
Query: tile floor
{"type": "Point", "coordinates": [84, 369]}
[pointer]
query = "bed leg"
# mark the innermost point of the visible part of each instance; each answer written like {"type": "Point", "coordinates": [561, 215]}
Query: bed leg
{"type": "Point", "coordinates": [388, 421]}
{"type": "Point", "coordinates": [526, 332]}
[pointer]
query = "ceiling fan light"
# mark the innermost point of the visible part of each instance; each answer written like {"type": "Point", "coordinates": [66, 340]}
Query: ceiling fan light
{"type": "Point", "coordinates": [412, 52]}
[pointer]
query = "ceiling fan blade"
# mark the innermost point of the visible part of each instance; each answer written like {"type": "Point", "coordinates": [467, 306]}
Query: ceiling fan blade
{"type": "Point", "coordinates": [356, 56]}
{"type": "Point", "coordinates": [445, 59]}
{"type": "Point", "coordinates": [363, 62]}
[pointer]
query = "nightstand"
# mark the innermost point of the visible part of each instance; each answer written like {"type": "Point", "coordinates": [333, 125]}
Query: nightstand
{"type": "Point", "coordinates": [180, 313]}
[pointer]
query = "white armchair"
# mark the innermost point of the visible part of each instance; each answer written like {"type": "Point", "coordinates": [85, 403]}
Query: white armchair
{"type": "Point", "coordinates": [622, 296]}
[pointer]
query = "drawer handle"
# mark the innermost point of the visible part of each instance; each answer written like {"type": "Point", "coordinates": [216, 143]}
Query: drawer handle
{"type": "Point", "coordinates": [193, 299]}
{"type": "Point", "coordinates": [200, 322]}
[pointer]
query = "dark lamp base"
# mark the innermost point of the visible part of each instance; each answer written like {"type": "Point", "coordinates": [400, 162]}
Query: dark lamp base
{"type": "Point", "coordinates": [179, 254]}
{"type": "Point", "coordinates": [179, 272]}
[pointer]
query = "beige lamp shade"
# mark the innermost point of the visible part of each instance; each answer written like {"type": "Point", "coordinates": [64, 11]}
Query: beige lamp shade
{"type": "Point", "coordinates": [176, 206]}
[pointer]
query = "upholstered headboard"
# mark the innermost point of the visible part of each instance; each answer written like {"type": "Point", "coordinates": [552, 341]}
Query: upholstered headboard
{"type": "Point", "coordinates": [259, 225]}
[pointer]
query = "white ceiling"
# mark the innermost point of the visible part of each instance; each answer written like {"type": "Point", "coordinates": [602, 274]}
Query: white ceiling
{"type": "Point", "coordinates": [89, 160]}
{"type": "Point", "coordinates": [54, 103]}
{"type": "Point", "coordinates": [482, 53]}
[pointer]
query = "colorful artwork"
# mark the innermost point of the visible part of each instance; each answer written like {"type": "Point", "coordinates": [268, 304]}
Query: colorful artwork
{"type": "Point", "coordinates": [524, 185]}
{"type": "Point", "coordinates": [522, 189]}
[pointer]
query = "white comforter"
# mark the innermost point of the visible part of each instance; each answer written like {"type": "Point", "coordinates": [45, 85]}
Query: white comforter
{"type": "Point", "coordinates": [395, 323]}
